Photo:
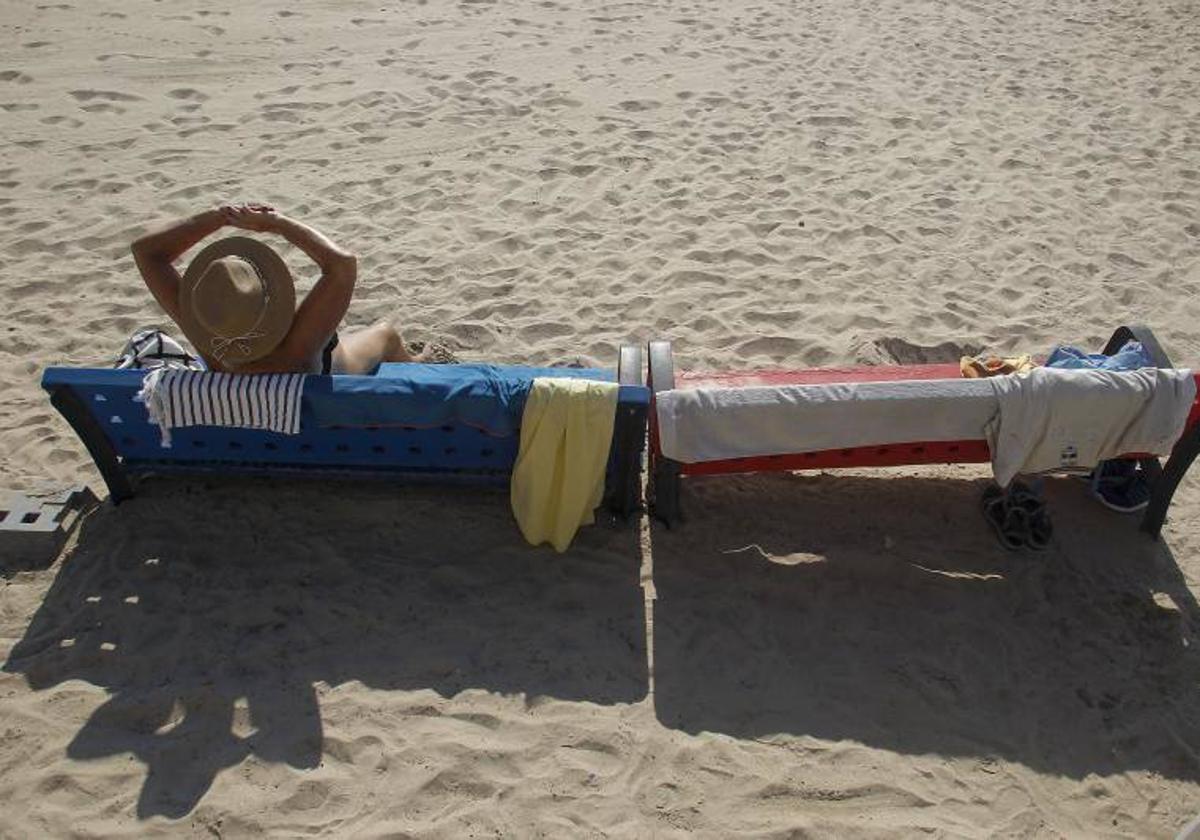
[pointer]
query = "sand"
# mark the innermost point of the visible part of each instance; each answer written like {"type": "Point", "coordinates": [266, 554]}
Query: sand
{"type": "Point", "coordinates": [765, 183]}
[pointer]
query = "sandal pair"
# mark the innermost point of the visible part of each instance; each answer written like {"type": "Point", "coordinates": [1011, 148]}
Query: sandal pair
{"type": "Point", "coordinates": [1018, 516]}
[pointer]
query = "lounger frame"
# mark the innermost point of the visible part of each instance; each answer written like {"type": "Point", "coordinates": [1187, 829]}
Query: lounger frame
{"type": "Point", "coordinates": [367, 449]}
{"type": "Point", "coordinates": [665, 479]}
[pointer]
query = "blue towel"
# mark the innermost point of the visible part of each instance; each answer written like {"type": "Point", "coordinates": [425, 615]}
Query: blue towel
{"type": "Point", "coordinates": [1130, 357]}
{"type": "Point", "coordinates": [486, 397]}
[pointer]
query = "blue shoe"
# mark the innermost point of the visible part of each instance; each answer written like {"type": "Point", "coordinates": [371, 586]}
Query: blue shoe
{"type": "Point", "coordinates": [1120, 486]}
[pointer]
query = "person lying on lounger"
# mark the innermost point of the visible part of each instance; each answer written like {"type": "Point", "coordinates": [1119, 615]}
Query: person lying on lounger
{"type": "Point", "coordinates": [236, 301]}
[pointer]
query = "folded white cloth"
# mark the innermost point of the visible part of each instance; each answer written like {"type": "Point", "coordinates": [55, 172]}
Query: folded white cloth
{"type": "Point", "coordinates": [176, 398]}
{"type": "Point", "coordinates": [1052, 419]}
{"type": "Point", "coordinates": [715, 423]}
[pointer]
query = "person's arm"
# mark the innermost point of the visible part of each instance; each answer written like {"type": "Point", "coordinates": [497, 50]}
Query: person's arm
{"type": "Point", "coordinates": [325, 305]}
{"type": "Point", "coordinates": [155, 252]}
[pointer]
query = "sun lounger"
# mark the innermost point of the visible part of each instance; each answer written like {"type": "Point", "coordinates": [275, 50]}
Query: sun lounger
{"type": "Point", "coordinates": [421, 422]}
{"type": "Point", "coordinates": [894, 416]}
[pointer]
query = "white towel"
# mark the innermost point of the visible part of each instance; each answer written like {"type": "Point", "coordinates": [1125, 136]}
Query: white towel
{"type": "Point", "coordinates": [176, 398]}
{"type": "Point", "coordinates": [1060, 420]}
{"type": "Point", "coordinates": [712, 424]}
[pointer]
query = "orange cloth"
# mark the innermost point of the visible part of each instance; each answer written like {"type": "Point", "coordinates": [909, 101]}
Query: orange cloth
{"type": "Point", "coordinates": [983, 366]}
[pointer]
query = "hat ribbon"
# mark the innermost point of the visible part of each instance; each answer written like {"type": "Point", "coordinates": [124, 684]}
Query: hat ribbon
{"type": "Point", "coordinates": [221, 345]}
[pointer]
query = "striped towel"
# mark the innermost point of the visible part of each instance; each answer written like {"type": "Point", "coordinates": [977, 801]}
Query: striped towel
{"type": "Point", "coordinates": [176, 398]}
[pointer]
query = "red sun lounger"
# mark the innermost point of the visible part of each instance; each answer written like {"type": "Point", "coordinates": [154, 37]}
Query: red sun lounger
{"type": "Point", "coordinates": [666, 474]}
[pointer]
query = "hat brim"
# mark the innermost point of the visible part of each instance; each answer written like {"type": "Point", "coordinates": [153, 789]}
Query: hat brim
{"type": "Point", "coordinates": [277, 316]}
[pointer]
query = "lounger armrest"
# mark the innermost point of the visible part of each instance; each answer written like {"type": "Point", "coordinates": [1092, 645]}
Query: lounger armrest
{"type": "Point", "coordinates": [1143, 334]}
{"type": "Point", "coordinates": [624, 490]}
{"type": "Point", "coordinates": [663, 483]}
{"type": "Point", "coordinates": [75, 410]}
{"type": "Point", "coordinates": [630, 370]}
{"type": "Point", "coordinates": [662, 367]}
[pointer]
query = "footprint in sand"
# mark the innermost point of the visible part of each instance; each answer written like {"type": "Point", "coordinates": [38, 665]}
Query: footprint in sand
{"type": "Point", "coordinates": [15, 76]}
{"type": "Point", "coordinates": [187, 93]}
{"type": "Point", "coordinates": [639, 105]}
{"type": "Point", "coordinates": [107, 95]}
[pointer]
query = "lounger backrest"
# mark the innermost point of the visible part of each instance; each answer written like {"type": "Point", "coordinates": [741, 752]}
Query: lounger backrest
{"type": "Point", "coordinates": [347, 423]}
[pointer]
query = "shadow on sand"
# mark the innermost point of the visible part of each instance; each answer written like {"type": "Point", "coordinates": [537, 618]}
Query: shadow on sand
{"type": "Point", "coordinates": [197, 608]}
{"type": "Point", "coordinates": [882, 611]}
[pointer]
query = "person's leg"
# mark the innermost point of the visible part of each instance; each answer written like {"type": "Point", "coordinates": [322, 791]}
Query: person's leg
{"type": "Point", "coordinates": [362, 352]}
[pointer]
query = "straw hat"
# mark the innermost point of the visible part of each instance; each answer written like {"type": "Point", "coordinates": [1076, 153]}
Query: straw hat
{"type": "Point", "coordinates": [236, 301]}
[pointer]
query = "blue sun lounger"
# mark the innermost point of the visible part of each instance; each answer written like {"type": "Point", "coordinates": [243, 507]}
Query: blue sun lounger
{"type": "Point", "coordinates": [408, 421]}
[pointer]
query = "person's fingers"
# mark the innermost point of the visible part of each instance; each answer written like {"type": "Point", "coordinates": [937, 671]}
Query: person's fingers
{"type": "Point", "coordinates": [249, 216]}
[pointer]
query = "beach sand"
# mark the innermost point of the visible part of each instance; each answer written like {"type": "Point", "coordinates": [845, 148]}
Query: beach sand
{"type": "Point", "coordinates": [764, 183]}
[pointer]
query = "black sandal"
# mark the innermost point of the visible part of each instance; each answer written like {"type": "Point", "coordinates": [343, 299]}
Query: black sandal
{"type": "Point", "coordinates": [1040, 529]}
{"type": "Point", "coordinates": [1011, 523]}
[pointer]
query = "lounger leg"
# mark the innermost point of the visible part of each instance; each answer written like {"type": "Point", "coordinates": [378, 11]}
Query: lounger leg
{"type": "Point", "coordinates": [666, 491]}
{"type": "Point", "coordinates": [1163, 487]}
{"type": "Point", "coordinates": [630, 436]}
{"type": "Point", "coordinates": [71, 407]}
{"type": "Point", "coordinates": [1163, 479]}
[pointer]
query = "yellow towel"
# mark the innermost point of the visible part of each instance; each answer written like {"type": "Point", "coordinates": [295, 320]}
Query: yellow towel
{"type": "Point", "coordinates": [558, 480]}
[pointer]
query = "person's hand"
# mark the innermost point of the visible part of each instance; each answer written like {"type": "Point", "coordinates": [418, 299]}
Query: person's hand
{"type": "Point", "coordinates": [257, 217]}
